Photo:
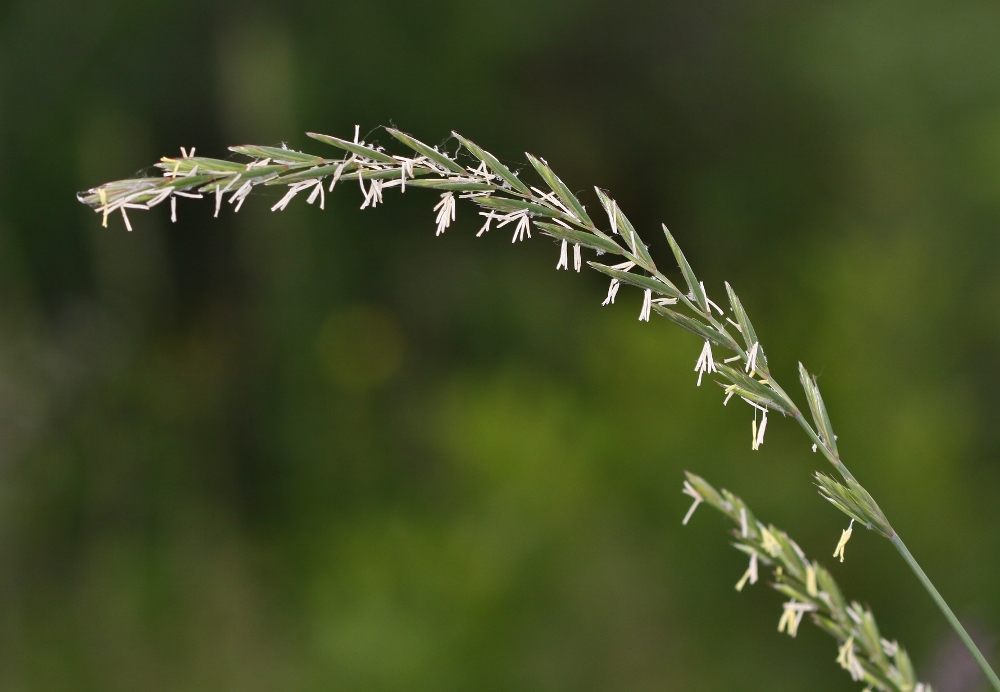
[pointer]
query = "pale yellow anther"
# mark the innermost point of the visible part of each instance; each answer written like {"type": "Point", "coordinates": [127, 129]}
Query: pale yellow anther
{"type": "Point", "coordinates": [811, 582]}
{"type": "Point", "coordinates": [104, 203]}
{"type": "Point", "coordinates": [771, 544]}
{"type": "Point", "coordinates": [844, 537]}
{"type": "Point", "coordinates": [844, 652]}
{"type": "Point", "coordinates": [787, 620]}
{"type": "Point", "coordinates": [849, 662]}
{"type": "Point", "coordinates": [750, 575]}
{"type": "Point", "coordinates": [791, 617]}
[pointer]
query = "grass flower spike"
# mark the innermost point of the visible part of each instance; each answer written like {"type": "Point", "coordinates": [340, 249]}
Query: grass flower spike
{"type": "Point", "coordinates": [481, 179]}
{"type": "Point", "coordinates": [812, 591]}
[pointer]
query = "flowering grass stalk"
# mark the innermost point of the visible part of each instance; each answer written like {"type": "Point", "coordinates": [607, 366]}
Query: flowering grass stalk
{"type": "Point", "coordinates": [506, 201]}
{"type": "Point", "coordinates": [810, 588]}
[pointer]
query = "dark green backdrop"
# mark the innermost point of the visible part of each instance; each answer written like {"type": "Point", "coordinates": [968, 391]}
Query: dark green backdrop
{"type": "Point", "coordinates": [329, 451]}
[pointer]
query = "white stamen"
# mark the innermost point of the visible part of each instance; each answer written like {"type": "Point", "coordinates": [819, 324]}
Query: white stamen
{"type": "Point", "coordinates": [336, 176]}
{"type": "Point", "coordinates": [481, 171]}
{"type": "Point", "coordinates": [317, 192]}
{"type": "Point", "coordinates": [551, 198]}
{"type": "Point", "coordinates": [173, 210]}
{"type": "Point", "coordinates": [791, 618]}
{"type": "Point", "coordinates": [523, 228]}
{"type": "Point", "coordinates": [445, 212]}
{"type": "Point", "coordinates": [612, 292]}
{"type": "Point", "coordinates": [563, 256]}
{"type": "Point", "coordinates": [489, 220]}
{"type": "Point", "coordinates": [612, 216]}
{"type": "Point", "coordinates": [752, 357]}
{"type": "Point", "coordinates": [361, 183]}
{"type": "Point", "coordinates": [241, 194]}
{"type": "Point", "coordinates": [260, 163]}
{"type": "Point", "coordinates": [314, 194]}
{"type": "Point", "coordinates": [282, 203]}
{"type": "Point", "coordinates": [577, 259]}
{"type": "Point", "coordinates": [744, 529]}
{"type": "Point", "coordinates": [125, 217]}
{"type": "Point", "coordinates": [218, 199]}
{"type": "Point", "coordinates": [709, 300]}
{"type": "Point", "coordinates": [691, 492]}
{"type": "Point", "coordinates": [647, 305]}
{"type": "Point", "coordinates": [705, 363]}
{"type": "Point", "coordinates": [374, 195]}
{"type": "Point", "coordinates": [760, 430]}
{"type": "Point", "coordinates": [159, 198]}
{"type": "Point", "coordinates": [232, 182]}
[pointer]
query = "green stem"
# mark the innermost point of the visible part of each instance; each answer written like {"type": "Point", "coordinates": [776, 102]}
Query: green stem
{"type": "Point", "coordinates": [963, 635]}
{"type": "Point", "coordinates": [833, 458]}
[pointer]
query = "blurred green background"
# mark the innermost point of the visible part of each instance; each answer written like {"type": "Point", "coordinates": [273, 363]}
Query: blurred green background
{"type": "Point", "coordinates": [329, 451]}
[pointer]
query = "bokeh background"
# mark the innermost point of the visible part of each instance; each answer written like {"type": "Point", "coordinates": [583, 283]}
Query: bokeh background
{"type": "Point", "coordinates": [329, 451]}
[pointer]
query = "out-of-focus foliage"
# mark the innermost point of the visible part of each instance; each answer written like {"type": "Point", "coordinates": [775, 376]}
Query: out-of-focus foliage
{"type": "Point", "coordinates": [326, 450]}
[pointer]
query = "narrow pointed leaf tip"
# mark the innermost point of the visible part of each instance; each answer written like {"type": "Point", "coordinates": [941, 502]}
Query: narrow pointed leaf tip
{"type": "Point", "coordinates": [623, 227]}
{"type": "Point", "coordinates": [277, 154]}
{"type": "Point", "coordinates": [493, 163]}
{"type": "Point", "coordinates": [746, 328]}
{"type": "Point", "coordinates": [563, 192]}
{"type": "Point", "coordinates": [359, 149]}
{"type": "Point", "coordinates": [694, 286]}
{"type": "Point", "coordinates": [638, 280]}
{"type": "Point", "coordinates": [600, 243]}
{"type": "Point", "coordinates": [430, 152]}
{"type": "Point", "coordinates": [818, 410]}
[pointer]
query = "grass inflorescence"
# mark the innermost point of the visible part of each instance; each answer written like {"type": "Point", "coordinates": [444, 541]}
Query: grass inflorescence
{"type": "Point", "coordinates": [506, 201]}
{"type": "Point", "coordinates": [811, 589]}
